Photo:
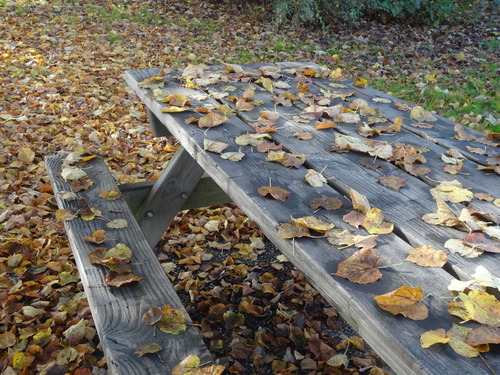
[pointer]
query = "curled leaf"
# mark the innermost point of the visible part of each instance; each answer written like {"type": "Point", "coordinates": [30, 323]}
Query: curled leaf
{"type": "Point", "coordinates": [361, 267]}
{"type": "Point", "coordinates": [404, 301]}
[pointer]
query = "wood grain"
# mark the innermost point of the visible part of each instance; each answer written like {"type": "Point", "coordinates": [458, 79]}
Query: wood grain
{"type": "Point", "coordinates": [394, 338]}
{"type": "Point", "coordinates": [117, 312]}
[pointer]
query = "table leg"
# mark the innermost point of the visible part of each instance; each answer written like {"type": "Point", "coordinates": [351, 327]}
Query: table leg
{"type": "Point", "coordinates": [168, 195]}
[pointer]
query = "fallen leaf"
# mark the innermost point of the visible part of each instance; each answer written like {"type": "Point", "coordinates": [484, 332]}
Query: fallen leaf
{"type": "Point", "coordinates": [437, 336]}
{"type": "Point", "coordinates": [455, 245]}
{"type": "Point", "coordinates": [354, 218]}
{"type": "Point", "coordinates": [110, 194]}
{"type": "Point", "coordinates": [359, 201]}
{"type": "Point", "coordinates": [360, 268]}
{"type": "Point", "coordinates": [252, 139]}
{"type": "Point", "coordinates": [26, 155]}
{"type": "Point", "coordinates": [81, 185]}
{"type": "Point", "coordinates": [117, 224]}
{"type": "Point", "coordinates": [374, 222]}
{"type": "Point", "coordinates": [98, 237]}
{"type": "Point", "coordinates": [452, 191]}
{"type": "Point", "coordinates": [120, 251]}
{"type": "Point", "coordinates": [405, 301]}
{"type": "Point", "coordinates": [314, 178]}
{"type": "Point", "coordinates": [361, 82]}
{"type": "Point", "coordinates": [72, 173]}
{"type": "Point", "coordinates": [477, 305]}
{"type": "Point", "coordinates": [292, 230]}
{"type": "Point", "coordinates": [233, 156]}
{"type": "Point", "coordinates": [172, 321]}
{"type": "Point", "coordinates": [117, 280]}
{"type": "Point", "coordinates": [153, 82]}
{"type": "Point", "coordinates": [191, 366]}
{"type": "Point", "coordinates": [150, 348]}
{"type": "Point", "coordinates": [276, 192]}
{"type": "Point", "coordinates": [303, 135]}
{"type": "Point", "coordinates": [314, 223]}
{"type": "Point", "coordinates": [325, 124]}
{"type": "Point", "coordinates": [211, 120]}
{"type": "Point", "coordinates": [427, 256]}
{"type": "Point", "coordinates": [327, 203]}
{"type": "Point", "coordinates": [152, 316]}
{"type": "Point", "coordinates": [373, 148]}
{"type": "Point", "coordinates": [214, 146]}
{"type": "Point", "coordinates": [393, 182]}
{"type": "Point", "coordinates": [483, 335]}
{"type": "Point", "coordinates": [482, 242]}
{"type": "Point", "coordinates": [444, 215]}
{"type": "Point", "coordinates": [419, 114]}
{"type": "Point", "coordinates": [457, 335]}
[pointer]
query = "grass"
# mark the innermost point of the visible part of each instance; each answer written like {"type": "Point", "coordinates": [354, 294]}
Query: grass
{"type": "Point", "coordinates": [120, 12]}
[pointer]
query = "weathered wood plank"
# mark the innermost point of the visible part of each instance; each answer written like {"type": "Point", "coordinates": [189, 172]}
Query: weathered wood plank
{"type": "Point", "coordinates": [117, 312]}
{"type": "Point", "coordinates": [168, 195]}
{"type": "Point", "coordinates": [316, 258]}
{"type": "Point", "coordinates": [403, 208]}
{"type": "Point", "coordinates": [156, 126]}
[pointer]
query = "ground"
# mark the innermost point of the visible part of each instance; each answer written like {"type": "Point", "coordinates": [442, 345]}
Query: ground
{"type": "Point", "coordinates": [61, 67]}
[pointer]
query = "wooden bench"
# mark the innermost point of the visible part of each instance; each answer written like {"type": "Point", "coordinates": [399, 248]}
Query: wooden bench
{"type": "Point", "coordinates": [395, 338]}
{"type": "Point", "coordinates": [117, 311]}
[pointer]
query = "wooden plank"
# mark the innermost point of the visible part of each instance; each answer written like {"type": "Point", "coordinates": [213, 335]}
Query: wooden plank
{"type": "Point", "coordinates": [403, 208]}
{"type": "Point", "coordinates": [205, 193]}
{"type": "Point", "coordinates": [117, 312]}
{"type": "Point", "coordinates": [168, 195]}
{"type": "Point", "coordinates": [317, 259]}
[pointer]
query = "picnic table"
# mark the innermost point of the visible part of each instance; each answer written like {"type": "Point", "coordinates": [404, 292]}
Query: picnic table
{"type": "Point", "coordinates": [328, 140]}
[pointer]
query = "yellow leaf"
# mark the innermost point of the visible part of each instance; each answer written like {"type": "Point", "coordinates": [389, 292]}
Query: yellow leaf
{"type": "Point", "coordinates": [19, 361]}
{"type": "Point", "coordinates": [172, 321]}
{"type": "Point", "coordinates": [120, 251]}
{"type": "Point", "coordinates": [211, 120]}
{"type": "Point", "coordinates": [427, 256]}
{"type": "Point", "coordinates": [266, 83]}
{"type": "Point", "coordinates": [437, 336]}
{"type": "Point", "coordinates": [457, 335]}
{"type": "Point", "coordinates": [313, 223]}
{"type": "Point", "coordinates": [374, 222]}
{"type": "Point", "coordinates": [26, 154]}
{"type": "Point", "coordinates": [152, 347]}
{"type": "Point", "coordinates": [419, 114]}
{"type": "Point", "coordinates": [404, 301]}
{"type": "Point", "coordinates": [361, 82]}
{"type": "Point", "coordinates": [477, 305]}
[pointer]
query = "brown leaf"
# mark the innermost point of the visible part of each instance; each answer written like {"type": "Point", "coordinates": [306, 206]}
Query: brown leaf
{"type": "Point", "coordinates": [327, 203]}
{"type": "Point", "coordinates": [361, 267]}
{"type": "Point", "coordinates": [354, 218]}
{"type": "Point", "coordinates": [427, 256]}
{"type": "Point", "coordinates": [359, 202]}
{"type": "Point", "coordinates": [483, 335]}
{"type": "Point", "coordinates": [303, 135]}
{"type": "Point", "coordinates": [211, 120]}
{"type": "Point", "coordinates": [419, 114]}
{"type": "Point", "coordinates": [311, 222]}
{"type": "Point", "coordinates": [110, 194]}
{"type": "Point", "coordinates": [404, 301]}
{"type": "Point", "coordinates": [152, 316]}
{"type": "Point", "coordinates": [276, 192]}
{"type": "Point", "coordinates": [393, 182]}
{"type": "Point", "coordinates": [81, 184]}
{"type": "Point", "coordinates": [150, 348]}
{"type": "Point", "coordinates": [117, 280]}
{"type": "Point", "coordinates": [292, 230]}
{"type": "Point", "coordinates": [172, 321]}
{"type": "Point", "coordinates": [483, 242]}
{"type": "Point", "coordinates": [98, 237]}
{"type": "Point", "coordinates": [326, 124]}
{"type": "Point", "coordinates": [233, 155]}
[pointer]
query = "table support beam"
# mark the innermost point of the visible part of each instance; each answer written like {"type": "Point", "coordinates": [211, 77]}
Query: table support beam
{"type": "Point", "coordinates": [168, 195]}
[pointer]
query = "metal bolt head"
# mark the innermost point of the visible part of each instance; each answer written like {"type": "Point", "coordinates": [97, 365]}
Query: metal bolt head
{"type": "Point", "coordinates": [150, 214]}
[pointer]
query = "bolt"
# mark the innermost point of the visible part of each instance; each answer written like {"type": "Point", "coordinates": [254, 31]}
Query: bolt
{"type": "Point", "coordinates": [150, 214]}
{"type": "Point", "coordinates": [184, 195]}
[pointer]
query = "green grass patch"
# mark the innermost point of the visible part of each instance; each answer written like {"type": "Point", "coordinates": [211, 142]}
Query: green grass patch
{"type": "Point", "coordinates": [120, 12]}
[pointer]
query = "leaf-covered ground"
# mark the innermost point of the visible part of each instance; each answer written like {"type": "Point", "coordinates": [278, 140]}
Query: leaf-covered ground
{"type": "Point", "coordinates": [61, 66]}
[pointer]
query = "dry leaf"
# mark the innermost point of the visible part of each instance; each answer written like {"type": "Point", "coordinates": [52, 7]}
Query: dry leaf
{"type": "Point", "coordinates": [150, 348]}
{"type": "Point", "coordinates": [360, 268]}
{"type": "Point", "coordinates": [152, 316]}
{"type": "Point", "coordinates": [191, 366]}
{"type": "Point", "coordinates": [482, 242]}
{"type": "Point", "coordinates": [314, 178]}
{"type": "Point", "coordinates": [214, 146]}
{"type": "Point", "coordinates": [404, 301]}
{"type": "Point", "coordinates": [314, 223]}
{"type": "Point", "coordinates": [110, 194]}
{"type": "Point", "coordinates": [117, 280]}
{"type": "Point", "coordinates": [233, 156]}
{"type": "Point", "coordinates": [211, 120]}
{"type": "Point", "coordinates": [452, 191]}
{"type": "Point", "coordinates": [374, 222]}
{"type": "Point", "coordinates": [292, 230]}
{"type": "Point", "coordinates": [477, 305]}
{"type": "Point", "coordinates": [276, 192]}
{"type": "Point", "coordinates": [483, 335]}
{"type": "Point", "coordinates": [427, 256]}
{"type": "Point", "coordinates": [327, 203]}
{"type": "Point", "coordinates": [359, 201]}
{"type": "Point", "coordinates": [393, 182]}
{"type": "Point", "coordinates": [437, 336]}
{"type": "Point", "coordinates": [172, 321]}
{"type": "Point", "coordinates": [354, 218]}
{"type": "Point", "coordinates": [326, 124]}
{"type": "Point", "coordinates": [72, 173]}
{"type": "Point", "coordinates": [455, 245]}
{"type": "Point", "coordinates": [303, 135]}
{"type": "Point", "coordinates": [117, 224]}
{"type": "Point", "coordinates": [419, 114]}
{"type": "Point", "coordinates": [374, 148]}
{"type": "Point", "coordinates": [444, 215]}
{"type": "Point", "coordinates": [457, 335]}
{"type": "Point", "coordinates": [98, 237]}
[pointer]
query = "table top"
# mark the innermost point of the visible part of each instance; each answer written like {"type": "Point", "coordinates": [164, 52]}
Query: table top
{"type": "Point", "coordinates": [316, 134]}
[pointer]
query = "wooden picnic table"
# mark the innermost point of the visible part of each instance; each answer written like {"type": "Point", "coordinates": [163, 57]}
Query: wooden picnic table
{"type": "Point", "coordinates": [395, 338]}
